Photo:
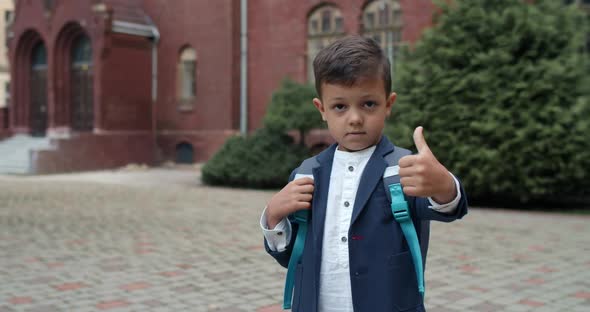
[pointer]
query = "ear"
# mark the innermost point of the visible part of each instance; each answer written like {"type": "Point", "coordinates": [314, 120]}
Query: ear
{"type": "Point", "coordinates": [320, 106]}
{"type": "Point", "coordinates": [390, 102]}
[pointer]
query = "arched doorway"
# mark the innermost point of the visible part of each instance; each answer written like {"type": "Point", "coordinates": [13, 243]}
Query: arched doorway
{"type": "Point", "coordinates": [38, 91]}
{"type": "Point", "coordinates": [82, 108]}
{"type": "Point", "coordinates": [184, 153]}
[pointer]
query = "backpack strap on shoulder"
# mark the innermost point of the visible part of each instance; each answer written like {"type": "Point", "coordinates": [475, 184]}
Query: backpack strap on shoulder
{"type": "Point", "coordinates": [401, 211]}
{"type": "Point", "coordinates": [301, 217]}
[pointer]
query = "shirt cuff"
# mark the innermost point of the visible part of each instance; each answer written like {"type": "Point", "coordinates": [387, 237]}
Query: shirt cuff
{"type": "Point", "coordinates": [277, 238]}
{"type": "Point", "coordinates": [448, 207]}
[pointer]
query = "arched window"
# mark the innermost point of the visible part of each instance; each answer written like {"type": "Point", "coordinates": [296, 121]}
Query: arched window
{"type": "Point", "coordinates": [39, 57]}
{"type": "Point", "coordinates": [82, 107]}
{"type": "Point", "coordinates": [324, 26]}
{"type": "Point", "coordinates": [38, 91]}
{"type": "Point", "coordinates": [82, 52]}
{"type": "Point", "coordinates": [381, 20]}
{"type": "Point", "coordinates": [187, 69]}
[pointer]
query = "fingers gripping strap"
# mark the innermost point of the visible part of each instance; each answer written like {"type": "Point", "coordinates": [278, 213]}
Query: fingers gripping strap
{"type": "Point", "coordinates": [301, 217]}
{"type": "Point", "coordinates": [401, 213]}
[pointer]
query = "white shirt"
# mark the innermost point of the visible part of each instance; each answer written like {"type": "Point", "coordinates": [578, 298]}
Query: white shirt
{"type": "Point", "coordinates": [335, 289]}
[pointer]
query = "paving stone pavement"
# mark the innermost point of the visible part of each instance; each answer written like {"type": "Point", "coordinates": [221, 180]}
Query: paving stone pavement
{"type": "Point", "coordinates": [157, 240]}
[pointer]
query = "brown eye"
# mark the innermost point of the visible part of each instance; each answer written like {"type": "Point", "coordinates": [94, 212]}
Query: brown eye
{"type": "Point", "coordinates": [339, 107]}
{"type": "Point", "coordinates": [370, 104]}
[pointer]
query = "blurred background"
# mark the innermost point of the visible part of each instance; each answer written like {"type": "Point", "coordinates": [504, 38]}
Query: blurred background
{"type": "Point", "coordinates": [141, 139]}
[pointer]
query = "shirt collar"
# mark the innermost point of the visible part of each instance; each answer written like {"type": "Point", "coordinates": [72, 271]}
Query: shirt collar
{"type": "Point", "coordinates": [354, 156]}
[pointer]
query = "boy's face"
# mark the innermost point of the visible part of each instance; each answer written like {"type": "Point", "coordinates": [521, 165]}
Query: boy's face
{"type": "Point", "coordinates": [356, 114]}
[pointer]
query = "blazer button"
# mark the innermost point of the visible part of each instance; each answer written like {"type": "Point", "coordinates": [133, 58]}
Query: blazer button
{"type": "Point", "coordinates": [356, 273]}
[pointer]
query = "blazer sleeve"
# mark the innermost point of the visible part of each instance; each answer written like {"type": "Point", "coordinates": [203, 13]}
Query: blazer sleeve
{"type": "Point", "coordinates": [282, 257]}
{"type": "Point", "coordinates": [420, 206]}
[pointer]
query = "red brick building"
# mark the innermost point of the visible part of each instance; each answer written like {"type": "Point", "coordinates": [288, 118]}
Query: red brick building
{"type": "Point", "coordinates": [112, 82]}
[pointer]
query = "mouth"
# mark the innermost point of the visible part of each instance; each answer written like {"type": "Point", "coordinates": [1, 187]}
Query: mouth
{"type": "Point", "coordinates": [355, 133]}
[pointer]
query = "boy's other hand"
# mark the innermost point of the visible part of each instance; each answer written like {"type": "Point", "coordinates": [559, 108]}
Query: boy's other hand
{"type": "Point", "coordinates": [423, 176]}
{"type": "Point", "coordinates": [294, 196]}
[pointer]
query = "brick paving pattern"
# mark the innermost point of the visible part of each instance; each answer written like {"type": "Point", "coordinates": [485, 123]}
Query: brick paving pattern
{"type": "Point", "coordinates": [159, 241]}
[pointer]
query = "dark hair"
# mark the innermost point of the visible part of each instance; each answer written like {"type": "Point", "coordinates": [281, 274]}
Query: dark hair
{"type": "Point", "coordinates": [349, 59]}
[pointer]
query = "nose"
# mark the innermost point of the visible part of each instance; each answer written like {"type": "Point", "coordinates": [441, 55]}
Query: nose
{"type": "Point", "coordinates": [355, 118]}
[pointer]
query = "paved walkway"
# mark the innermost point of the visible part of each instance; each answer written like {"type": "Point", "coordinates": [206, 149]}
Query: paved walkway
{"type": "Point", "coordinates": [157, 240]}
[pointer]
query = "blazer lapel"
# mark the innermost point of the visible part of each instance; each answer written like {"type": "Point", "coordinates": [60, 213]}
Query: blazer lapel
{"type": "Point", "coordinates": [371, 176]}
{"type": "Point", "coordinates": [321, 175]}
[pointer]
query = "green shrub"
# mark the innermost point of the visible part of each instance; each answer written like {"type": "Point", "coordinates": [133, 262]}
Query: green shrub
{"type": "Point", "coordinates": [499, 87]}
{"type": "Point", "coordinates": [262, 160]}
{"type": "Point", "coordinates": [265, 159]}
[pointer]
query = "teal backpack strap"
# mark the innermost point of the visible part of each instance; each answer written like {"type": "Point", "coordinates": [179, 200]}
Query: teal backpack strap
{"type": "Point", "coordinates": [300, 217]}
{"type": "Point", "coordinates": [401, 212]}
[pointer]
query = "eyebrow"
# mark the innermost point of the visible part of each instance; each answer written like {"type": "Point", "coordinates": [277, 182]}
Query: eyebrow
{"type": "Point", "coordinates": [338, 98]}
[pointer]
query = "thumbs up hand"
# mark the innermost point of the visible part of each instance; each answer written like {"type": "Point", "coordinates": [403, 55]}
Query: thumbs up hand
{"type": "Point", "coordinates": [423, 176]}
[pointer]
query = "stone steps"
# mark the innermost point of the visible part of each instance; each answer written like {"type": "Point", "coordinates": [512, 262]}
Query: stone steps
{"type": "Point", "coordinates": [16, 153]}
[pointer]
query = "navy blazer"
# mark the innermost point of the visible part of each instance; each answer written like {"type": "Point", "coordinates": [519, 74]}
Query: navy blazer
{"type": "Point", "coordinates": [381, 270]}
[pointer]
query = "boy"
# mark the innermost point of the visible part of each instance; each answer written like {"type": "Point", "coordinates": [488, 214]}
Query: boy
{"type": "Point", "coordinates": [355, 256]}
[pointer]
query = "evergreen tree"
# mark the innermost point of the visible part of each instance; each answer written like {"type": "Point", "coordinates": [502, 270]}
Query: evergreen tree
{"type": "Point", "coordinates": [291, 108]}
{"type": "Point", "coordinates": [499, 86]}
